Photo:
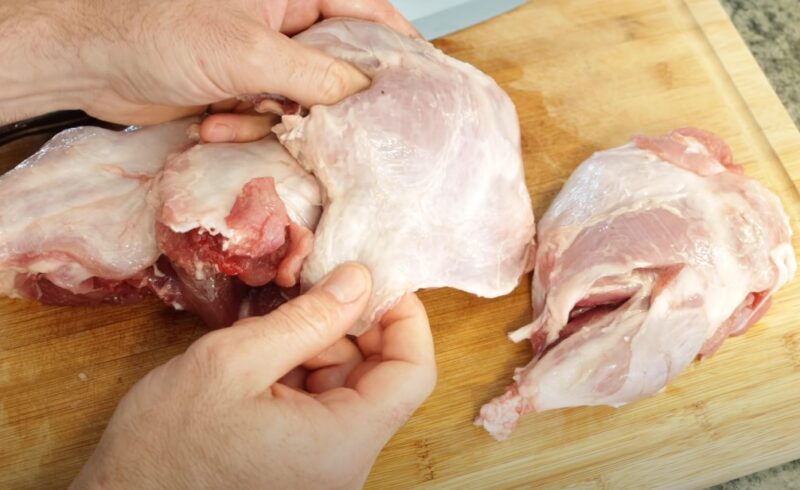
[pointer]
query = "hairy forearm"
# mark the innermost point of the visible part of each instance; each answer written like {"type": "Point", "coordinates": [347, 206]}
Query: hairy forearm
{"type": "Point", "coordinates": [46, 59]}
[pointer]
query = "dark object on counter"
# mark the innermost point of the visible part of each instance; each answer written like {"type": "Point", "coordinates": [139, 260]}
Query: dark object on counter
{"type": "Point", "coordinates": [50, 124]}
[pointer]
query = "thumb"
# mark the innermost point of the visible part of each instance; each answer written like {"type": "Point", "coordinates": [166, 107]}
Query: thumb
{"type": "Point", "coordinates": [303, 74]}
{"type": "Point", "coordinates": [261, 350]}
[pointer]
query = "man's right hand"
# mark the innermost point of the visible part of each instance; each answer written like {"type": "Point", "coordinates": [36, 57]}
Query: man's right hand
{"type": "Point", "coordinates": [235, 412]}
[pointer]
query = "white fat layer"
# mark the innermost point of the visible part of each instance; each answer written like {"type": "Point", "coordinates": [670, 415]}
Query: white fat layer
{"type": "Point", "coordinates": [784, 258]}
{"type": "Point", "coordinates": [67, 275]}
{"type": "Point", "coordinates": [202, 185]}
{"type": "Point", "coordinates": [58, 202]}
{"type": "Point", "coordinates": [694, 146]}
{"type": "Point", "coordinates": [730, 279]}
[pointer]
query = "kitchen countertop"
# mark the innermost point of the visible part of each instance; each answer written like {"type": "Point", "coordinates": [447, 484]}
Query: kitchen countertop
{"type": "Point", "coordinates": [771, 29]}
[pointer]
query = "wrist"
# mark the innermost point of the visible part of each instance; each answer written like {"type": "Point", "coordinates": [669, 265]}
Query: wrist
{"type": "Point", "coordinates": [47, 49]}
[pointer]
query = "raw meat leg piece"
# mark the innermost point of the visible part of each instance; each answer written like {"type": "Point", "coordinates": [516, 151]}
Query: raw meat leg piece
{"type": "Point", "coordinates": [75, 225]}
{"type": "Point", "coordinates": [422, 171]}
{"type": "Point", "coordinates": [652, 254]}
{"type": "Point", "coordinates": [78, 222]}
{"type": "Point", "coordinates": [235, 212]}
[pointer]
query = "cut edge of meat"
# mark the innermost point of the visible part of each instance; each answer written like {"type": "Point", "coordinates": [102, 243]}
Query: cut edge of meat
{"type": "Point", "coordinates": [500, 416]}
{"type": "Point", "coordinates": [693, 149]}
{"type": "Point", "coordinates": [530, 256]}
{"type": "Point", "coordinates": [608, 294]}
{"type": "Point", "coordinates": [96, 291]}
{"type": "Point", "coordinates": [216, 299]}
{"type": "Point", "coordinates": [214, 273]}
{"type": "Point", "coordinates": [265, 244]}
{"type": "Point", "coordinates": [747, 314]}
{"type": "Point", "coordinates": [258, 220]}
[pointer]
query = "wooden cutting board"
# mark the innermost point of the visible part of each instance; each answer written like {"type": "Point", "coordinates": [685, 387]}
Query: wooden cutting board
{"type": "Point", "coordinates": [585, 75]}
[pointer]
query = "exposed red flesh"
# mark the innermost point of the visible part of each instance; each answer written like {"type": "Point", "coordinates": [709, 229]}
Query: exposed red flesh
{"type": "Point", "coordinates": [98, 291]}
{"type": "Point", "coordinates": [259, 220]}
{"type": "Point", "coordinates": [262, 231]}
{"type": "Point", "coordinates": [582, 319]}
{"type": "Point", "coordinates": [538, 343]}
{"type": "Point", "coordinates": [216, 299]}
{"type": "Point", "coordinates": [613, 297]}
{"type": "Point", "coordinates": [673, 148]}
{"type": "Point", "coordinates": [263, 300]}
{"type": "Point", "coordinates": [715, 145]}
{"type": "Point", "coordinates": [211, 269]}
{"type": "Point", "coordinates": [196, 247]}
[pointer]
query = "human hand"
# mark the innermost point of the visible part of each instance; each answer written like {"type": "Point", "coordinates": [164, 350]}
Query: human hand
{"type": "Point", "coordinates": [150, 61]}
{"type": "Point", "coordinates": [225, 415]}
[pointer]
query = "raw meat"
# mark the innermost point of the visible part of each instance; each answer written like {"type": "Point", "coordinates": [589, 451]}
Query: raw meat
{"type": "Point", "coordinates": [422, 171]}
{"type": "Point", "coordinates": [421, 174]}
{"type": "Point", "coordinates": [75, 227]}
{"type": "Point", "coordinates": [243, 210]}
{"type": "Point", "coordinates": [86, 220]}
{"type": "Point", "coordinates": [652, 254]}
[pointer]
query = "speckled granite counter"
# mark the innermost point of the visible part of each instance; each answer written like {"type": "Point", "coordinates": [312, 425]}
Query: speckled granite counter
{"type": "Point", "coordinates": [772, 31]}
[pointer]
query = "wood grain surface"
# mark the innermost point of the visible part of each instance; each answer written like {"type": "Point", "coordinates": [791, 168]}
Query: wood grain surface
{"type": "Point", "coordinates": [584, 75]}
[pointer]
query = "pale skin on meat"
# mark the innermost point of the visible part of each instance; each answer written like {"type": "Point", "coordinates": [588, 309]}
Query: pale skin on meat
{"type": "Point", "coordinates": [280, 401]}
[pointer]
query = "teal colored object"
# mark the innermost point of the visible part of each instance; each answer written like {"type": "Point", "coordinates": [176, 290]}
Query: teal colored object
{"type": "Point", "coordinates": [441, 17]}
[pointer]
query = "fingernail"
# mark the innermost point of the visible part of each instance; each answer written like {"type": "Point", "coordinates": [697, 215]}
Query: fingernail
{"type": "Point", "coordinates": [221, 132]}
{"type": "Point", "coordinates": [347, 283]}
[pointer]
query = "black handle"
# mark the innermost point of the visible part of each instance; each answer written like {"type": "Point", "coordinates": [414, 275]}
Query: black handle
{"type": "Point", "coordinates": [49, 124]}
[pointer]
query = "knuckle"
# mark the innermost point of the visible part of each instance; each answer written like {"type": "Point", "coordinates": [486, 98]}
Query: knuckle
{"type": "Point", "coordinates": [255, 44]}
{"type": "Point", "coordinates": [209, 356]}
{"type": "Point", "coordinates": [333, 82]}
{"type": "Point", "coordinates": [311, 312]}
